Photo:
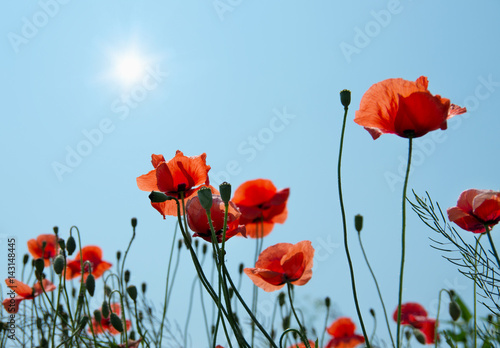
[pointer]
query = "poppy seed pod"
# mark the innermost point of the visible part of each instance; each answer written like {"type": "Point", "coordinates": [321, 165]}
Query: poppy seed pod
{"type": "Point", "coordinates": [205, 197]}
{"type": "Point", "coordinates": [345, 97]}
{"type": "Point", "coordinates": [70, 245]}
{"type": "Point", "coordinates": [97, 315]}
{"type": "Point", "coordinates": [358, 222]}
{"type": "Point", "coordinates": [90, 284]}
{"type": "Point", "coordinates": [132, 292]}
{"type": "Point", "coordinates": [116, 322]}
{"type": "Point", "coordinates": [59, 264]}
{"type": "Point", "coordinates": [134, 222]}
{"type": "Point", "coordinates": [225, 191]}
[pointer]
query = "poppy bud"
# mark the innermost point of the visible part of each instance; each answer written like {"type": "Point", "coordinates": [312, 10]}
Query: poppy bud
{"type": "Point", "coordinates": [158, 197]}
{"type": "Point", "coordinates": [59, 264]}
{"type": "Point", "coordinates": [116, 322]}
{"type": "Point", "coordinates": [134, 222]}
{"type": "Point", "coordinates": [196, 244]}
{"type": "Point", "coordinates": [39, 266]}
{"type": "Point", "coordinates": [26, 258]}
{"type": "Point", "coordinates": [408, 335]}
{"type": "Point", "coordinates": [225, 191]}
{"type": "Point", "coordinates": [372, 312]}
{"type": "Point", "coordinates": [205, 197]}
{"type": "Point", "coordinates": [70, 245]}
{"type": "Point", "coordinates": [97, 315]}
{"type": "Point", "coordinates": [345, 97]}
{"type": "Point", "coordinates": [419, 336]}
{"type": "Point", "coordinates": [327, 302]}
{"type": "Point", "coordinates": [454, 310]}
{"type": "Point", "coordinates": [240, 269]}
{"type": "Point", "coordinates": [132, 292]}
{"type": "Point", "coordinates": [132, 335]}
{"type": "Point", "coordinates": [118, 255]}
{"type": "Point", "coordinates": [127, 276]}
{"type": "Point", "coordinates": [179, 244]}
{"type": "Point", "coordinates": [358, 222]}
{"type": "Point", "coordinates": [73, 292]}
{"type": "Point", "coordinates": [286, 322]}
{"type": "Point", "coordinates": [231, 293]}
{"type": "Point", "coordinates": [83, 322]}
{"type": "Point", "coordinates": [62, 243]}
{"type": "Point", "coordinates": [107, 290]}
{"type": "Point", "coordinates": [204, 249]}
{"type": "Point", "coordinates": [143, 288]}
{"type": "Point", "coordinates": [105, 309]}
{"type": "Point", "coordinates": [90, 284]}
{"type": "Point", "coordinates": [281, 299]}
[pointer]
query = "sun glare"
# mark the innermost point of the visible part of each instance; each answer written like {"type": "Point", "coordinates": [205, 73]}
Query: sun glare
{"type": "Point", "coordinates": [130, 68]}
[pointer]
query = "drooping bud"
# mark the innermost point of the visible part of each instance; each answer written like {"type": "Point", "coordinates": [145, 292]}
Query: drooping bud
{"type": "Point", "coordinates": [70, 245]}
{"type": "Point", "coordinates": [116, 322]}
{"type": "Point", "coordinates": [158, 197]}
{"type": "Point", "coordinates": [454, 310]}
{"type": "Point", "coordinates": [358, 222]}
{"type": "Point", "coordinates": [59, 264]}
{"type": "Point", "coordinates": [345, 97]}
{"type": "Point", "coordinates": [134, 222]}
{"type": "Point", "coordinates": [107, 290]}
{"type": "Point", "coordinates": [105, 309]}
{"type": "Point", "coordinates": [97, 315]}
{"type": "Point", "coordinates": [419, 336]}
{"type": "Point", "coordinates": [132, 292]}
{"type": "Point", "coordinates": [205, 197]}
{"type": "Point", "coordinates": [90, 284]}
{"type": "Point", "coordinates": [225, 191]}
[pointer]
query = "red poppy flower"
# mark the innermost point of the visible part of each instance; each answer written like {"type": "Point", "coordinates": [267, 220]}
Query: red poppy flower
{"type": "Point", "coordinates": [282, 263]}
{"type": "Point", "coordinates": [24, 292]}
{"type": "Point", "coordinates": [93, 254]}
{"type": "Point", "coordinates": [415, 315]}
{"type": "Point", "coordinates": [343, 334]}
{"type": "Point", "coordinates": [198, 222]}
{"type": "Point", "coordinates": [105, 324]}
{"type": "Point", "coordinates": [261, 206]}
{"type": "Point", "coordinates": [475, 209]}
{"type": "Point", "coordinates": [180, 174]}
{"type": "Point", "coordinates": [37, 250]}
{"type": "Point", "coordinates": [396, 106]}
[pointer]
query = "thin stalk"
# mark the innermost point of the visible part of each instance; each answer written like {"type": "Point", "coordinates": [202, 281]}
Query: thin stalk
{"type": "Point", "coordinates": [475, 289]}
{"type": "Point", "coordinates": [378, 288]}
{"type": "Point", "coordinates": [344, 224]}
{"type": "Point", "coordinates": [492, 244]}
{"type": "Point", "coordinates": [403, 240]}
{"type": "Point", "coordinates": [302, 330]}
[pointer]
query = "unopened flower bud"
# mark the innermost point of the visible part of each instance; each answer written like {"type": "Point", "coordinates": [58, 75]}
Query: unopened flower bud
{"type": "Point", "coordinates": [118, 255]}
{"type": "Point", "coordinates": [83, 322]}
{"type": "Point", "coordinates": [327, 302]}
{"type": "Point", "coordinates": [39, 266]}
{"type": "Point", "coordinates": [158, 197]}
{"type": "Point", "coordinates": [134, 222]}
{"type": "Point", "coordinates": [26, 258]}
{"type": "Point", "coordinates": [180, 243]}
{"type": "Point", "coordinates": [286, 322]}
{"type": "Point", "coordinates": [70, 245]}
{"type": "Point", "coordinates": [143, 288]}
{"type": "Point", "coordinates": [240, 268]}
{"type": "Point", "coordinates": [345, 97]}
{"type": "Point", "coordinates": [281, 299]}
{"type": "Point", "coordinates": [408, 335]}
{"type": "Point", "coordinates": [107, 290]}
{"type": "Point", "coordinates": [116, 322]}
{"type": "Point", "coordinates": [90, 284]}
{"type": "Point", "coordinates": [97, 315]}
{"type": "Point", "coordinates": [132, 292]}
{"type": "Point", "coordinates": [454, 310]}
{"type": "Point", "coordinates": [105, 309]}
{"type": "Point", "coordinates": [56, 230]}
{"type": "Point", "coordinates": [205, 197]}
{"type": "Point", "coordinates": [358, 222]}
{"type": "Point", "coordinates": [126, 276]}
{"type": "Point", "coordinates": [73, 292]}
{"type": "Point", "coordinates": [62, 243]}
{"type": "Point", "coordinates": [372, 312]}
{"type": "Point", "coordinates": [419, 336]}
{"type": "Point", "coordinates": [225, 191]}
{"type": "Point", "coordinates": [204, 249]}
{"type": "Point", "coordinates": [59, 264]}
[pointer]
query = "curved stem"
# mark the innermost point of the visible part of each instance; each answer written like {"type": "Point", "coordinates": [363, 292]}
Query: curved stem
{"type": "Point", "coordinates": [378, 289]}
{"type": "Point", "coordinates": [403, 239]}
{"type": "Point", "coordinates": [437, 317]}
{"type": "Point", "coordinates": [344, 225]}
{"type": "Point", "coordinates": [302, 330]}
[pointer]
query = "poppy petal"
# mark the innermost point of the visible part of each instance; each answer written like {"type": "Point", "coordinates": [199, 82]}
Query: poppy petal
{"type": "Point", "coordinates": [147, 182]}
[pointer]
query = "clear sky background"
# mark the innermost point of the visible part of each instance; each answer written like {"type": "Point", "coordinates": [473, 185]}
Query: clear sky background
{"type": "Point", "coordinates": [219, 75]}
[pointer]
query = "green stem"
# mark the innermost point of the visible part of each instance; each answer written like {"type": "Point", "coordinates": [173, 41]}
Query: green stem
{"type": "Point", "coordinates": [403, 239]}
{"type": "Point", "coordinates": [326, 323]}
{"type": "Point", "coordinates": [344, 224]}
{"type": "Point", "coordinates": [475, 289]}
{"type": "Point", "coordinates": [378, 288]}
{"type": "Point", "coordinates": [302, 330]}
{"type": "Point", "coordinates": [492, 244]}
{"type": "Point", "coordinates": [437, 317]}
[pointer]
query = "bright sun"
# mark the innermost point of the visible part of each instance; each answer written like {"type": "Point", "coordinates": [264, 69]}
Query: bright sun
{"type": "Point", "coordinates": [130, 68]}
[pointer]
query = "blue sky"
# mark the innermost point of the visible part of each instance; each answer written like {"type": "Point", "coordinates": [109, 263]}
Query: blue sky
{"type": "Point", "coordinates": [255, 86]}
